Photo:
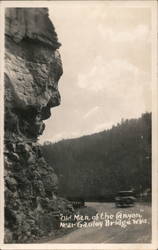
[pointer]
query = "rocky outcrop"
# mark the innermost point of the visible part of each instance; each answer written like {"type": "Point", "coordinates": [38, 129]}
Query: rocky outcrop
{"type": "Point", "coordinates": [32, 70]}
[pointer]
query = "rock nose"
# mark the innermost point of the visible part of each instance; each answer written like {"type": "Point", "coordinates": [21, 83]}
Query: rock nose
{"type": "Point", "coordinates": [54, 101]}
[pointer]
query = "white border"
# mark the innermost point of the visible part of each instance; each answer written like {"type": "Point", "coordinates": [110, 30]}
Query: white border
{"type": "Point", "coordinates": [154, 245]}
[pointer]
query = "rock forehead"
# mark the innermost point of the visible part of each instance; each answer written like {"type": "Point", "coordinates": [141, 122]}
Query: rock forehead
{"type": "Point", "coordinates": [32, 23]}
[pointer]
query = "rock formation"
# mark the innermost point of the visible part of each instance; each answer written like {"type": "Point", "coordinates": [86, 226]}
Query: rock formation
{"type": "Point", "coordinates": [32, 70]}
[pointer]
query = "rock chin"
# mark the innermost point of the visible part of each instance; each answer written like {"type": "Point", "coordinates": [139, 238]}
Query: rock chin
{"type": "Point", "coordinates": [32, 70]}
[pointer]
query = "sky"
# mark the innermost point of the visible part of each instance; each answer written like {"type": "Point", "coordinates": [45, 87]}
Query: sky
{"type": "Point", "coordinates": [106, 56]}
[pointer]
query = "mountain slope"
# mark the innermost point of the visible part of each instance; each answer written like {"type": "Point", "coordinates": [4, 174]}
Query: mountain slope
{"type": "Point", "coordinates": [98, 165]}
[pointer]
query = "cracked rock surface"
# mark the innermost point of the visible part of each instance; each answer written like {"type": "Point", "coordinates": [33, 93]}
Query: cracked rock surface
{"type": "Point", "coordinates": [32, 70]}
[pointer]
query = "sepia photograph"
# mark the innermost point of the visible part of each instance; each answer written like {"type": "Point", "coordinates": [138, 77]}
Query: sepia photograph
{"type": "Point", "coordinates": [79, 118]}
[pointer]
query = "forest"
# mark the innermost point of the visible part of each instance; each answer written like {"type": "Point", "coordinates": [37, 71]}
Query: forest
{"type": "Point", "coordinates": [95, 167]}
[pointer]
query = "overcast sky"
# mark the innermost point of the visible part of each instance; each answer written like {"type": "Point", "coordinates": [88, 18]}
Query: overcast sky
{"type": "Point", "coordinates": [106, 55]}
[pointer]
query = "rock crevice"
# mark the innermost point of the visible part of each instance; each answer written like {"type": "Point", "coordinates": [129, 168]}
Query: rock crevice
{"type": "Point", "coordinates": [32, 70]}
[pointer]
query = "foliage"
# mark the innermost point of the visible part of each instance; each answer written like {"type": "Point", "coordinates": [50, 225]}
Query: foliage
{"type": "Point", "coordinates": [98, 165]}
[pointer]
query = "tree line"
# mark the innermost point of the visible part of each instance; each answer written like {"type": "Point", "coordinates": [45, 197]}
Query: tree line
{"type": "Point", "coordinates": [95, 167]}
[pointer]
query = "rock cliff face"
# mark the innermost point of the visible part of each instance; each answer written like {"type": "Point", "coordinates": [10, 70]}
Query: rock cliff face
{"type": "Point", "coordinates": [32, 70]}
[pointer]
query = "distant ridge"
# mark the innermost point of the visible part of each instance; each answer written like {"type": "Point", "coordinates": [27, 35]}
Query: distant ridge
{"type": "Point", "coordinates": [98, 165]}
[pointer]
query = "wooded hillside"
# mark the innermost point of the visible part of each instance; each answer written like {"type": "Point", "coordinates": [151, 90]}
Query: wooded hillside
{"type": "Point", "coordinates": [96, 166]}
